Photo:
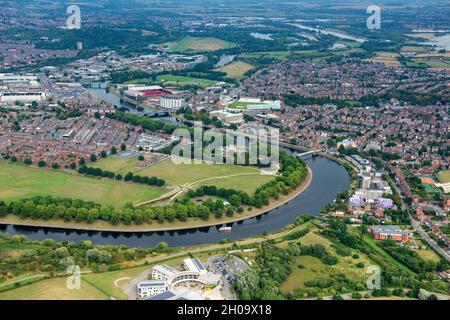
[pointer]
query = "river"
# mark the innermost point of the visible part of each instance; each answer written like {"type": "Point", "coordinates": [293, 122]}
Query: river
{"type": "Point", "coordinates": [329, 178]}
{"type": "Point", "coordinates": [331, 33]}
{"type": "Point", "coordinates": [100, 93]}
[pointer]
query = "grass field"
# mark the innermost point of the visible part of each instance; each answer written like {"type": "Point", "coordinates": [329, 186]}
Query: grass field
{"type": "Point", "coordinates": [428, 255]}
{"type": "Point", "coordinates": [197, 44]}
{"type": "Point", "coordinates": [388, 58]}
{"type": "Point", "coordinates": [182, 81]}
{"type": "Point", "coordinates": [236, 69]}
{"type": "Point", "coordinates": [53, 289]}
{"type": "Point", "coordinates": [242, 105]}
{"type": "Point", "coordinates": [105, 281]}
{"type": "Point", "coordinates": [19, 181]}
{"type": "Point", "coordinates": [278, 55]}
{"type": "Point", "coordinates": [314, 268]}
{"type": "Point", "coordinates": [444, 176]}
{"type": "Point", "coordinates": [300, 55]}
{"type": "Point", "coordinates": [189, 173]}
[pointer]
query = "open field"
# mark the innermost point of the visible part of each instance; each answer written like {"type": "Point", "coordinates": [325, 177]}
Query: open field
{"type": "Point", "coordinates": [223, 176]}
{"type": "Point", "coordinates": [197, 44]}
{"type": "Point", "coordinates": [53, 289]}
{"type": "Point", "coordinates": [243, 105]}
{"type": "Point", "coordinates": [183, 81]}
{"type": "Point", "coordinates": [236, 69]}
{"type": "Point", "coordinates": [105, 280]}
{"type": "Point", "coordinates": [428, 255]}
{"type": "Point", "coordinates": [314, 268]}
{"type": "Point", "coordinates": [278, 55]}
{"type": "Point", "coordinates": [388, 58]}
{"type": "Point", "coordinates": [196, 222]}
{"type": "Point", "coordinates": [444, 176]}
{"type": "Point", "coordinates": [303, 54]}
{"type": "Point", "coordinates": [421, 35]}
{"type": "Point", "coordinates": [19, 181]}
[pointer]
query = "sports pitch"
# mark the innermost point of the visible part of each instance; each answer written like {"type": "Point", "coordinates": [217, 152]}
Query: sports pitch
{"type": "Point", "coordinates": [197, 44]}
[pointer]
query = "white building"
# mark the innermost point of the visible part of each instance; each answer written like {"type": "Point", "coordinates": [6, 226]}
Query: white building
{"type": "Point", "coordinates": [227, 117]}
{"type": "Point", "coordinates": [172, 102]}
{"type": "Point", "coordinates": [25, 97]}
{"type": "Point", "coordinates": [194, 265]}
{"type": "Point", "coordinates": [21, 88]}
{"type": "Point", "coordinates": [167, 279]}
{"type": "Point", "coordinates": [162, 272]}
{"type": "Point", "coordinates": [151, 288]}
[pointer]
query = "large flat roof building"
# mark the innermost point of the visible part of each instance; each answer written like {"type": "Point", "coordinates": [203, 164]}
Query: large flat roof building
{"type": "Point", "coordinates": [163, 272]}
{"type": "Point", "coordinates": [194, 265]}
{"type": "Point", "coordinates": [151, 288]}
{"type": "Point", "coordinates": [390, 232]}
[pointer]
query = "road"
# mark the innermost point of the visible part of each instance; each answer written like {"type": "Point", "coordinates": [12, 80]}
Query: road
{"type": "Point", "coordinates": [418, 227]}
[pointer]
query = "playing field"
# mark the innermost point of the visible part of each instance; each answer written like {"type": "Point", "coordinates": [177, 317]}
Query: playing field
{"type": "Point", "coordinates": [444, 176]}
{"type": "Point", "coordinates": [236, 69]}
{"type": "Point", "coordinates": [53, 289]}
{"type": "Point", "coordinates": [224, 176]}
{"type": "Point", "coordinates": [196, 44]}
{"type": "Point", "coordinates": [243, 105]}
{"type": "Point", "coordinates": [19, 181]}
{"type": "Point", "coordinates": [183, 81]}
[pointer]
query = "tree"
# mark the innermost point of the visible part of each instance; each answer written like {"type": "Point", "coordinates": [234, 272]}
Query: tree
{"type": "Point", "coordinates": [55, 166]}
{"type": "Point", "coordinates": [13, 159]}
{"type": "Point", "coordinates": [123, 147]}
{"type": "Point", "coordinates": [103, 154]}
{"type": "Point", "coordinates": [235, 200]}
{"type": "Point", "coordinates": [82, 162]}
{"type": "Point", "coordinates": [93, 157]}
{"type": "Point", "coordinates": [28, 161]}
{"type": "Point", "coordinates": [113, 150]}
{"type": "Point", "coordinates": [42, 164]}
{"type": "Point", "coordinates": [247, 285]}
{"type": "Point", "coordinates": [141, 158]}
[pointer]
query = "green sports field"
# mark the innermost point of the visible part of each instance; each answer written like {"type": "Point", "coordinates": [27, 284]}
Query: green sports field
{"type": "Point", "coordinates": [19, 181]}
{"type": "Point", "coordinates": [243, 105]}
{"type": "Point", "coordinates": [224, 176]}
{"type": "Point", "coordinates": [197, 44]}
{"type": "Point", "coordinates": [444, 176]}
{"type": "Point", "coordinates": [169, 79]}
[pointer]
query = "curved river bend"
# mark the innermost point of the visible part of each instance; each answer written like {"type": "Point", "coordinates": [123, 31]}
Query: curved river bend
{"type": "Point", "coordinates": [329, 178]}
